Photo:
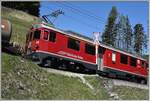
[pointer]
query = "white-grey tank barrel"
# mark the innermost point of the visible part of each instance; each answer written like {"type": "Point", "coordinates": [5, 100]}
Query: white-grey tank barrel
{"type": "Point", "coordinates": [6, 28]}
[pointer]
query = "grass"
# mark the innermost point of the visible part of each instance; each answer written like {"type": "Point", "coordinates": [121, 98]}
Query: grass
{"type": "Point", "coordinates": [130, 93]}
{"type": "Point", "coordinates": [21, 79]}
{"type": "Point", "coordinates": [99, 89]}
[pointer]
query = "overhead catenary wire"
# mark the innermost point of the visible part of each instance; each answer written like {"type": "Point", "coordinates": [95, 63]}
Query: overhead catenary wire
{"type": "Point", "coordinates": [87, 11]}
{"type": "Point", "coordinates": [78, 21]}
{"type": "Point", "coordinates": [84, 12]}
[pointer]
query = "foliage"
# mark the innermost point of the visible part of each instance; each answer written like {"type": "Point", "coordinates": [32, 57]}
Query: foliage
{"type": "Point", "coordinates": [109, 33]}
{"type": "Point", "coordinates": [31, 7]}
{"type": "Point", "coordinates": [138, 38]}
{"type": "Point", "coordinates": [124, 33]}
{"type": "Point", "coordinates": [128, 35]}
{"type": "Point", "coordinates": [118, 33]}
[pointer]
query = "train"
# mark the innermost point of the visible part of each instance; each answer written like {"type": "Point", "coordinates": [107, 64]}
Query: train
{"type": "Point", "coordinates": [53, 47]}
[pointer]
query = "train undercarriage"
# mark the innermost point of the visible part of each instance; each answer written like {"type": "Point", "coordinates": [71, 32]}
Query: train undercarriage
{"type": "Point", "coordinates": [49, 61]}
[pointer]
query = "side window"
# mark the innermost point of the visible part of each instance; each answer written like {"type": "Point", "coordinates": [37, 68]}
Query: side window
{"type": "Point", "coordinates": [123, 59]}
{"type": "Point", "coordinates": [100, 50]}
{"type": "Point", "coordinates": [133, 61]}
{"type": "Point", "coordinates": [45, 35]}
{"type": "Point", "coordinates": [90, 49]}
{"type": "Point", "coordinates": [143, 64]}
{"type": "Point", "coordinates": [52, 36]}
{"type": "Point", "coordinates": [113, 57]}
{"type": "Point", "coordinates": [73, 44]}
{"type": "Point", "coordinates": [36, 34]}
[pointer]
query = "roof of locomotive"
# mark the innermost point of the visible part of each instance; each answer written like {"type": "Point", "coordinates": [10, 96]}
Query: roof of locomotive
{"type": "Point", "coordinates": [85, 38]}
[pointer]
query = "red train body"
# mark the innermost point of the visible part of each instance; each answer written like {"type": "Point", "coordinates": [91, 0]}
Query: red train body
{"type": "Point", "coordinates": [53, 46]}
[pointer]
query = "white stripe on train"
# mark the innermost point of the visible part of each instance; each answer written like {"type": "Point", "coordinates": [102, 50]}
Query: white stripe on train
{"type": "Point", "coordinates": [65, 56]}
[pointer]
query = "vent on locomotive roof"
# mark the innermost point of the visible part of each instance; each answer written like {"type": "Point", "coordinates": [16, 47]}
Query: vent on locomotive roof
{"type": "Point", "coordinates": [79, 35]}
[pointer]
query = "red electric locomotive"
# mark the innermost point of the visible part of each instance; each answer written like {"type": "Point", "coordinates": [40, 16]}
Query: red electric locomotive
{"type": "Point", "coordinates": [57, 48]}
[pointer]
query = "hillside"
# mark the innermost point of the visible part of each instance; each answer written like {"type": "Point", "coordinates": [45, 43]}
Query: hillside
{"type": "Point", "coordinates": [22, 79]}
{"type": "Point", "coordinates": [21, 22]}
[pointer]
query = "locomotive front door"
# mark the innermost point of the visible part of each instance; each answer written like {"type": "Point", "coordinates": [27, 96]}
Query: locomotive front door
{"type": "Point", "coordinates": [101, 52]}
{"type": "Point", "coordinates": [100, 63]}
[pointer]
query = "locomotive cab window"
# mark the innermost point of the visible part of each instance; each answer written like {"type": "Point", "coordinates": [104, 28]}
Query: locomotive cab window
{"type": "Point", "coordinates": [45, 35]}
{"type": "Point", "coordinates": [90, 49]}
{"type": "Point", "coordinates": [52, 36]}
{"type": "Point", "coordinates": [133, 61]}
{"type": "Point", "coordinates": [123, 59]}
{"type": "Point", "coordinates": [36, 34]}
{"type": "Point", "coordinates": [73, 44]}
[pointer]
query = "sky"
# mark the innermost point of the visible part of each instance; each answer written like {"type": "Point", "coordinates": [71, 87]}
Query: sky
{"type": "Point", "coordinates": [87, 17]}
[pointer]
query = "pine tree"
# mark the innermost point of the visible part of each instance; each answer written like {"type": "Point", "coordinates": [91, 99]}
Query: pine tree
{"type": "Point", "coordinates": [145, 42]}
{"type": "Point", "coordinates": [128, 35]}
{"type": "Point", "coordinates": [124, 33]}
{"type": "Point", "coordinates": [138, 38]}
{"type": "Point", "coordinates": [121, 31]}
{"type": "Point", "coordinates": [109, 33]}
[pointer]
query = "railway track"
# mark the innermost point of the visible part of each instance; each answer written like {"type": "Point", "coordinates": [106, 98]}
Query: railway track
{"type": "Point", "coordinates": [116, 82]}
{"type": "Point", "coordinates": [130, 84]}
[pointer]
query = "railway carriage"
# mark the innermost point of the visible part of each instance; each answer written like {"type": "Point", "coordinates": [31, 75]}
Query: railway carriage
{"type": "Point", "coordinates": [57, 48]}
{"type": "Point", "coordinates": [120, 64]}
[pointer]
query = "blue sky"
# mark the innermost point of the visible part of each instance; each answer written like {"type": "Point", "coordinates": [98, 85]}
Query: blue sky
{"type": "Point", "coordinates": [88, 17]}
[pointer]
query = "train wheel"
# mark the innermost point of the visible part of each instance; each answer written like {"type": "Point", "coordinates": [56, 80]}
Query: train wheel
{"type": "Point", "coordinates": [142, 81]}
{"type": "Point", "coordinates": [48, 63]}
{"type": "Point", "coordinates": [80, 68]}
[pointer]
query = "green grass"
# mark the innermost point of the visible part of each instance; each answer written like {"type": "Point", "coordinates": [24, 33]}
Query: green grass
{"type": "Point", "coordinates": [130, 93]}
{"type": "Point", "coordinates": [39, 84]}
{"type": "Point", "coordinates": [99, 89]}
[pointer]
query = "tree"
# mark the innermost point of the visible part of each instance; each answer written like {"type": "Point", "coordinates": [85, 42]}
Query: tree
{"type": "Point", "coordinates": [121, 31]}
{"type": "Point", "coordinates": [128, 36]}
{"type": "Point", "coordinates": [109, 32]}
{"type": "Point", "coordinates": [145, 42]}
{"type": "Point", "coordinates": [138, 38]}
{"type": "Point", "coordinates": [31, 7]}
{"type": "Point", "coordinates": [124, 33]}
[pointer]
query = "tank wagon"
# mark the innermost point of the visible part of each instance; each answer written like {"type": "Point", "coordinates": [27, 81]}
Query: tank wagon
{"type": "Point", "coordinates": [6, 28]}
